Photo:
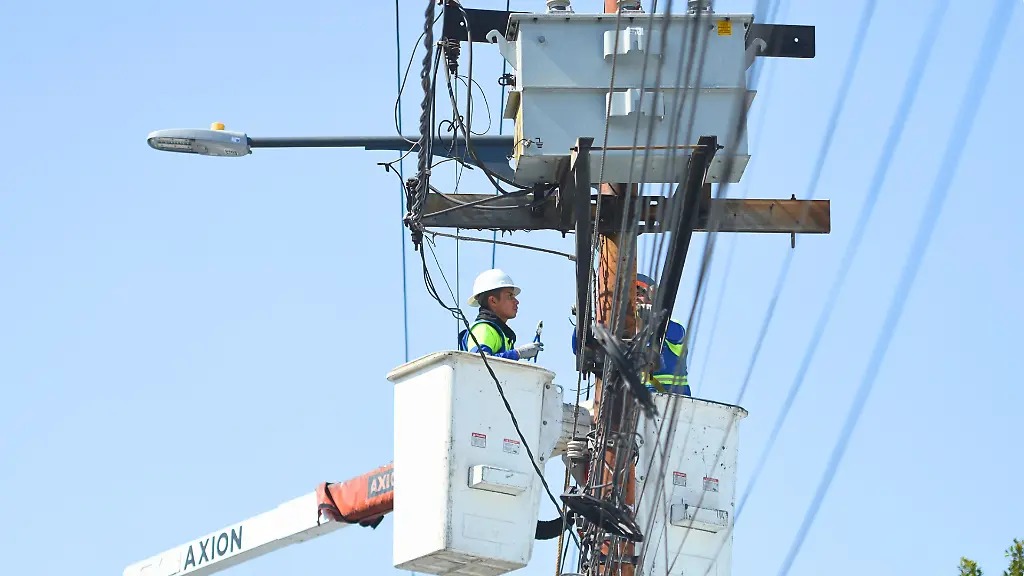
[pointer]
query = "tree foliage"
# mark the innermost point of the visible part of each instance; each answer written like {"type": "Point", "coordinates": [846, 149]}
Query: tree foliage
{"type": "Point", "coordinates": [969, 568]}
{"type": "Point", "coordinates": [1015, 553]}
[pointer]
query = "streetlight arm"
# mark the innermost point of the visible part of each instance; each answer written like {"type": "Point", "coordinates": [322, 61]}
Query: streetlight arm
{"type": "Point", "coordinates": [397, 143]}
{"type": "Point", "coordinates": [367, 142]}
{"type": "Point", "coordinates": [492, 151]}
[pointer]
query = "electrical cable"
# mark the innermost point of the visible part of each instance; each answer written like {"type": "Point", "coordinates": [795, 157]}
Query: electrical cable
{"type": "Point", "coordinates": [457, 312]}
{"type": "Point", "coordinates": [512, 244]}
{"type": "Point", "coordinates": [487, 106]}
{"type": "Point", "coordinates": [840, 102]}
{"type": "Point", "coordinates": [823, 153]}
{"type": "Point", "coordinates": [465, 128]}
{"type": "Point", "coordinates": [589, 310]}
{"type": "Point", "coordinates": [759, 134]}
{"type": "Point", "coordinates": [401, 187]}
{"type": "Point", "coordinates": [874, 189]}
{"type": "Point", "coordinates": [906, 101]}
{"type": "Point", "coordinates": [705, 266]}
{"type": "Point", "coordinates": [404, 78]}
{"type": "Point", "coordinates": [703, 274]}
{"type": "Point", "coordinates": [460, 204]}
{"type": "Point", "coordinates": [623, 282]}
{"type": "Point", "coordinates": [992, 41]}
{"type": "Point", "coordinates": [501, 127]}
{"type": "Point", "coordinates": [426, 142]}
{"type": "Point", "coordinates": [589, 306]}
{"type": "Point", "coordinates": [460, 125]}
{"type": "Point", "coordinates": [633, 225]}
{"type": "Point", "coordinates": [620, 302]}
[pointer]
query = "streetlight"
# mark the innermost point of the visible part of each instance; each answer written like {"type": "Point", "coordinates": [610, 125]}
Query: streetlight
{"type": "Point", "coordinates": [492, 151]}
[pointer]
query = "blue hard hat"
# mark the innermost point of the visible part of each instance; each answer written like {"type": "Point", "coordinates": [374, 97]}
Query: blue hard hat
{"type": "Point", "coordinates": [644, 280]}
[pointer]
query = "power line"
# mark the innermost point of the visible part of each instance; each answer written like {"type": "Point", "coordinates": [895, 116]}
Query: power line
{"type": "Point", "coordinates": [881, 171]}
{"type": "Point", "coordinates": [858, 45]}
{"type": "Point", "coordinates": [812, 185]}
{"type": "Point", "coordinates": [501, 128]}
{"type": "Point", "coordinates": [759, 134]}
{"type": "Point", "coordinates": [401, 186]}
{"type": "Point", "coordinates": [423, 186]}
{"type": "Point", "coordinates": [992, 40]}
{"type": "Point", "coordinates": [458, 237]}
{"type": "Point", "coordinates": [456, 311]}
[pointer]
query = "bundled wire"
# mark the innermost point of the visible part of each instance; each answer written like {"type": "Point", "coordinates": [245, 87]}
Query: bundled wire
{"type": "Point", "coordinates": [416, 189]}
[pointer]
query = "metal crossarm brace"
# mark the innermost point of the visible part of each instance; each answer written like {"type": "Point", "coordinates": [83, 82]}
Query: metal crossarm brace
{"type": "Point", "coordinates": [576, 191]}
{"type": "Point", "coordinates": [691, 191]}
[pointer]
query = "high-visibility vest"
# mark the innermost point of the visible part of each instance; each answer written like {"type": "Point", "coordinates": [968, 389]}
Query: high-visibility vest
{"type": "Point", "coordinates": [671, 372]}
{"type": "Point", "coordinates": [506, 343]}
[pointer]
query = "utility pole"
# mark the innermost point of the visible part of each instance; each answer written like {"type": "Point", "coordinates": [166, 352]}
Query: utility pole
{"type": "Point", "coordinates": [557, 121]}
{"type": "Point", "coordinates": [560, 171]}
{"type": "Point", "coordinates": [617, 257]}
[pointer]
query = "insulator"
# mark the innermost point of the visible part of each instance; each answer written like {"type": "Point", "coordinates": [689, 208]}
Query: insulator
{"type": "Point", "coordinates": [559, 6]}
{"type": "Point", "coordinates": [695, 6]}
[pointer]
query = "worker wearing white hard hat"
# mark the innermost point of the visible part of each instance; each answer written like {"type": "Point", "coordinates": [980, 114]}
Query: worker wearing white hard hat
{"type": "Point", "coordinates": [495, 293]}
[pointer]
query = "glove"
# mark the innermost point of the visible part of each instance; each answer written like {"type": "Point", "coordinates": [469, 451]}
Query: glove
{"type": "Point", "coordinates": [656, 384]}
{"type": "Point", "coordinates": [530, 350]}
{"type": "Point", "coordinates": [644, 313]}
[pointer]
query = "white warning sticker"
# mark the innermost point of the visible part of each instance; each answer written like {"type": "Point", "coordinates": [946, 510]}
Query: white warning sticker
{"type": "Point", "coordinates": [479, 440]}
{"type": "Point", "coordinates": [511, 446]}
{"type": "Point", "coordinates": [710, 484]}
{"type": "Point", "coordinates": [679, 478]}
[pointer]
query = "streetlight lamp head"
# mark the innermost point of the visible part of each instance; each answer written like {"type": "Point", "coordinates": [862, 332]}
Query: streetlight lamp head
{"type": "Point", "coordinates": [206, 142]}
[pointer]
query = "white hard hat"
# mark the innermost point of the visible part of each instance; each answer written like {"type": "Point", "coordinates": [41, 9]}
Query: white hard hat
{"type": "Point", "coordinates": [490, 280]}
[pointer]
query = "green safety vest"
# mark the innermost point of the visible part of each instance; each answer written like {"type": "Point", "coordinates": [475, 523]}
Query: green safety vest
{"type": "Point", "coordinates": [491, 335]}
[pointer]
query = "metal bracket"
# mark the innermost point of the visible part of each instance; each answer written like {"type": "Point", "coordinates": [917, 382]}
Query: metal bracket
{"type": "Point", "coordinates": [480, 22]}
{"type": "Point", "coordinates": [784, 40]}
{"type": "Point", "coordinates": [575, 195]}
{"type": "Point", "coordinates": [690, 193]}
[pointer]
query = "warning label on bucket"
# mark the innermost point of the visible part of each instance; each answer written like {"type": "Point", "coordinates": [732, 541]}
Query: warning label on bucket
{"type": "Point", "coordinates": [479, 440]}
{"type": "Point", "coordinates": [679, 478]}
{"type": "Point", "coordinates": [511, 446]}
{"type": "Point", "coordinates": [710, 484]}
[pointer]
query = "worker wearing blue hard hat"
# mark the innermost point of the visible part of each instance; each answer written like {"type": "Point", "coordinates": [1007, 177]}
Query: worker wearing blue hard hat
{"type": "Point", "coordinates": [670, 375]}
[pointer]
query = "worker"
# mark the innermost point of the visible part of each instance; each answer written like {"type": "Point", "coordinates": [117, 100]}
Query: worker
{"type": "Point", "coordinates": [495, 293]}
{"type": "Point", "coordinates": [673, 350]}
{"type": "Point", "coordinates": [670, 375]}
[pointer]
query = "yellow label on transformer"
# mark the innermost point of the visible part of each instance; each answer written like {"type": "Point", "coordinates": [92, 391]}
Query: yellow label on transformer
{"type": "Point", "coordinates": [725, 28]}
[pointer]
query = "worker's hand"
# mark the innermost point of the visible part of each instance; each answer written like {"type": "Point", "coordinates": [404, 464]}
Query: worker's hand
{"type": "Point", "coordinates": [643, 312]}
{"type": "Point", "coordinates": [530, 350]}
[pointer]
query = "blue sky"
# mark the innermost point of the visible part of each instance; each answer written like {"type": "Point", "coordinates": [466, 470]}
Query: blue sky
{"type": "Point", "coordinates": [189, 341]}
